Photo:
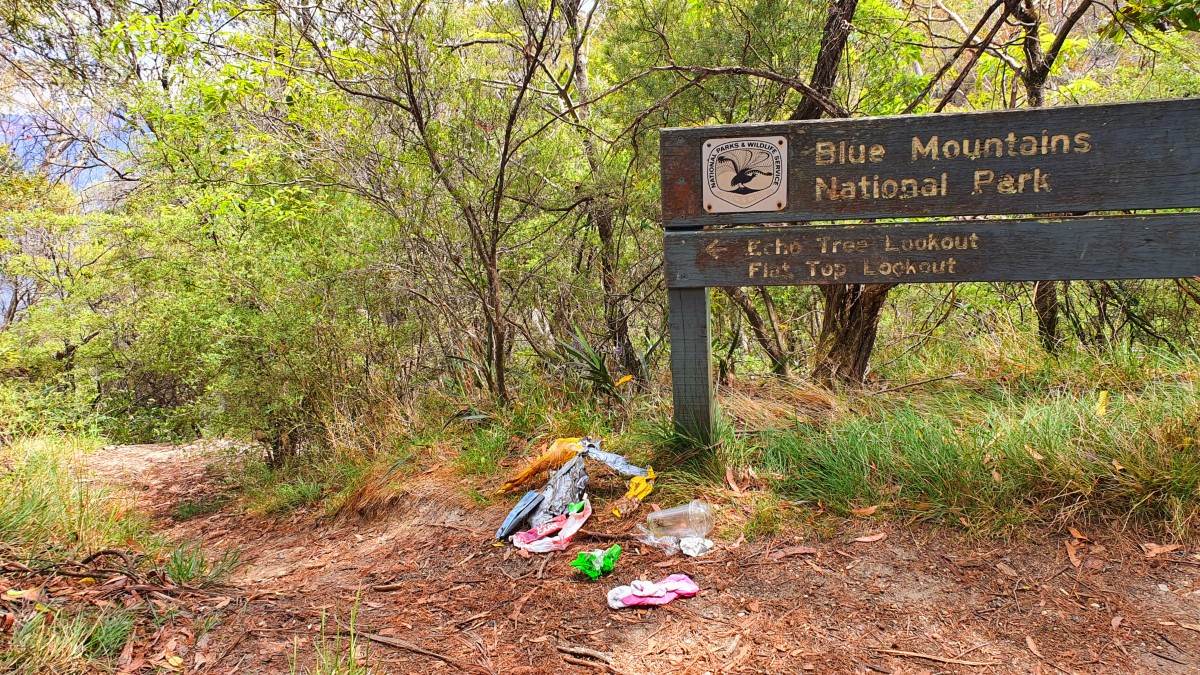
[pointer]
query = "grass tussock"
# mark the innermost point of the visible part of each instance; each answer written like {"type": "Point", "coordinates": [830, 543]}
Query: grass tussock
{"type": "Point", "coordinates": [996, 458]}
{"type": "Point", "coordinates": [48, 508]}
{"type": "Point", "coordinates": [51, 514]}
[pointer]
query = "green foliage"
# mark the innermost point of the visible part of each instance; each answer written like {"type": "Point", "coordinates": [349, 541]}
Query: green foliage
{"type": "Point", "coordinates": [998, 456]}
{"type": "Point", "coordinates": [1154, 16]}
{"type": "Point", "coordinates": [187, 565]}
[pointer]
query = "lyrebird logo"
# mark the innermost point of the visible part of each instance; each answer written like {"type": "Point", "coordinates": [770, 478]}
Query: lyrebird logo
{"type": "Point", "coordinates": [745, 174]}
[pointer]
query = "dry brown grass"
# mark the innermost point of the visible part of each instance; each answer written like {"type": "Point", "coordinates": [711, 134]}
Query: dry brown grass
{"type": "Point", "coordinates": [771, 403]}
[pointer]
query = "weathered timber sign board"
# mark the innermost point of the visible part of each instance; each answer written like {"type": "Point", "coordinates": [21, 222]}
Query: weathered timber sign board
{"type": "Point", "coordinates": [1136, 247]}
{"type": "Point", "coordinates": [1051, 160]}
{"type": "Point", "coordinates": [1078, 160]}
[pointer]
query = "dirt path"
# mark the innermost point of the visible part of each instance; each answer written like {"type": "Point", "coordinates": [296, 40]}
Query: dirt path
{"type": "Point", "coordinates": [428, 578]}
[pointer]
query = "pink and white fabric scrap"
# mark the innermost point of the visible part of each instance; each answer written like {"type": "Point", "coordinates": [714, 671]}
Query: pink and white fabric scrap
{"type": "Point", "coordinates": [641, 592]}
{"type": "Point", "coordinates": [554, 534]}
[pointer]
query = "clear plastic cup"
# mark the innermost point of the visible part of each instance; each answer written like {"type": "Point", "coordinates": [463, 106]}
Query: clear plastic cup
{"type": "Point", "coordinates": [694, 519]}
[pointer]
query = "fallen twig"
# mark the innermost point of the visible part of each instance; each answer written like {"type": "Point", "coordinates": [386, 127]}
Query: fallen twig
{"type": "Point", "coordinates": [592, 664]}
{"type": "Point", "coordinates": [917, 384]}
{"type": "Point", "coordinates": [604, 536]}
{"type": "Point", "coordinates": [417, 649]}
{"type": "Point", "coordinates": [934, 657]}
{"type": "Point", "coordinates": [579, 650]}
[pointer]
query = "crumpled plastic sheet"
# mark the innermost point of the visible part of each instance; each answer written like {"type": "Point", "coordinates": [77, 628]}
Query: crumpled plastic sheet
{"type": "Point", "coordinates": [564, 488]}
{"type": "Point", "coordinates": [555, 534]}
{"type": "Point", "coordinates": [518, 514]}
{"type": "Point", "coordinates": [640, 592]}
{"type": "Point", "coordinates": [618, 463]}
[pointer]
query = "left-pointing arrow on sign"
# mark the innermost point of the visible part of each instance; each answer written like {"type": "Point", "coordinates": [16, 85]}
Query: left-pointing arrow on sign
{"type": "Point", "coordinates": [715, 249]}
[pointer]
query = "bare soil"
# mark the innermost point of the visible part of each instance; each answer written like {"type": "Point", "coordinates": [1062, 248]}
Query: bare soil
{"type": "Point", "coordinates": [428, 578]}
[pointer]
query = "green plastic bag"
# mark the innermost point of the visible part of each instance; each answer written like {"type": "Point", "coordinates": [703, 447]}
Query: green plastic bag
{"type": "Point", "coordinates": [597, 563]}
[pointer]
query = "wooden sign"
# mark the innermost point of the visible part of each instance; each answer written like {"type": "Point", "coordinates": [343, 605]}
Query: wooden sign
{"type": "Point", "coordinates": [1014, 250]}
{"type": "Point", "coordinates": [1047, 160]}
{"type": "Point", "coordinates": [1125, 157]}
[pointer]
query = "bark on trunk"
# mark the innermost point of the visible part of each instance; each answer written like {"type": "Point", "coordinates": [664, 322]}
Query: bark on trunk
{"type": "Point", "coordinates": [1038, 63]}
{"type": "Point", "coordinates": [600, 212]}
{"type": "Point", "coordinates": [851, 316]}
{"type": "Point", "coordinates": [848, 330]}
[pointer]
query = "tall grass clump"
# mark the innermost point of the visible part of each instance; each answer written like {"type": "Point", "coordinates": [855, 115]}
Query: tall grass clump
{"type": "Point", "coordinates": [990, 457]}
{"type": "Point", "coordinates": [48, 508]}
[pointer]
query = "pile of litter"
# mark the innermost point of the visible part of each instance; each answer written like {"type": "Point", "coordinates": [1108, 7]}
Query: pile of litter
{"type": "Point", "coordinates": [567, 486]}
{"type": "Point", "coordinates": [546, 520]}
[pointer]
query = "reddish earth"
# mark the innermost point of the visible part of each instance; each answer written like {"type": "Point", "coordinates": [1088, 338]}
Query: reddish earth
{"type": "Point", "coordinates": [429, 579]}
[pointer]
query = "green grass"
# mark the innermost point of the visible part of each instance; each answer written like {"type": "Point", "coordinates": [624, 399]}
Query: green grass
{"type": "Point", "coordinates": [341, 654]}
{"type": "Point", "coordinates": [52, 512]}
{"type": "Point", "coordinates": [48, 508]}
{"type": "Point", "coordinates": [203, 506]}
{"type": "Point", "coordinates": [991, 458]}
{"type": "Point", "coordinates": [187, 565]}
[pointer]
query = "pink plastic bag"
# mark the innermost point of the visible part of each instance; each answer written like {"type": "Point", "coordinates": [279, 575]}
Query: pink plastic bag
{"type": "Point", "coordinates": [540, 540]}
{"type": "Point", "coordinates": [641, 593]}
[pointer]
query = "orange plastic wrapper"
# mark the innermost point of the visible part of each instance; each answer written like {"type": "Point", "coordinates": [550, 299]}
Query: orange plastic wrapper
{"type": "Point", "coordinates": [561, 451]}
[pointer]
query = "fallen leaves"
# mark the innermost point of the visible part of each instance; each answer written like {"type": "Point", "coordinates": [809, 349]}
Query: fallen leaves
{"type": "Point", "coordinates": [729, 478]}
{"type": "Point", "coordinates": [865, 511]}
{"type": "Point", "coordinates": [792, 551]}
{"type": "Point", "coordinates": [1153, 550]}
{"type": "Point", "coordinates": [31, 594]}
{"type": "Point", "coordinates": [871, 538]}
{"type": "Point", "coordinates": [1073, 553]}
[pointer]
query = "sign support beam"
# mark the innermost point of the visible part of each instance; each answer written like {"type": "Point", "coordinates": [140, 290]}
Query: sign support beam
{"type": "Point", "coordinates": [693, 390]}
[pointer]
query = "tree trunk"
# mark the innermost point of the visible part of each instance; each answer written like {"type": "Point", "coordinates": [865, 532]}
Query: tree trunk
{"type": "Point", "coordinates": [616, 318]}
{"type": "Point", "coordinates": [1045, 305]}
{"type": "Point", "coordinates": [498, 330]}
{"type": "Point", "coordinates": [851, 315]}
{"type": "Point", "coordinates": [848, 329]}
{"type": "Point", "coordinates": [600, 211]}
{"type": "Point", "coordinates": [1038, 63]}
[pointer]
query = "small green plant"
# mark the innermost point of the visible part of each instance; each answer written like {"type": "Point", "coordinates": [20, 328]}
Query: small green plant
{"type": "Point", "coordinates": [293, 495]}
{"type": "Point", "coordinates": [583, 357]}
{"type": "Point", "coordinates": [109, 634]}
{"type": "Point", "coordinates": [187, 565]}
{"type": "Point", "coordinates": [344, 654]}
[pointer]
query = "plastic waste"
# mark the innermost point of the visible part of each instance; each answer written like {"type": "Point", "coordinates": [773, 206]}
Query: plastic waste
{"type": "Point", "coordinates": [668, 545]}
{"type": "Point", "coordinates": [694, 519]}
{"type": "Point", "coordinates": [640, 487]}
{"type": "Point", "coordinates": [519, 514]}
{"type": "Point", "coordinates": [693, 547]}
{"type": "Point", "coordinates": [591, 448]}
{"type": "Point", "coordinates": [561, 451]}
{"type": "Point", "coordinates": [569, 480]}
{"type": "Point", "coordinates": [565, 487]}
{"type": "Point", "coordinates": [598, 562]}
{"type": "Point", "coordinates": [644, 593]}
{"type": "Point", "coordinates": [555, 534]}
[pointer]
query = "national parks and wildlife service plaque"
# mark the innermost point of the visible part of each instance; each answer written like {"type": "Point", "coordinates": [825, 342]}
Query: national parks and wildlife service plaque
{"type": "Point", "coordinates": [745, 174]}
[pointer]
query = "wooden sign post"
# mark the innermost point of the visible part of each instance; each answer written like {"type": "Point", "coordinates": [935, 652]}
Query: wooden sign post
{"type": "Point", "coordinates": [1085, 159]}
